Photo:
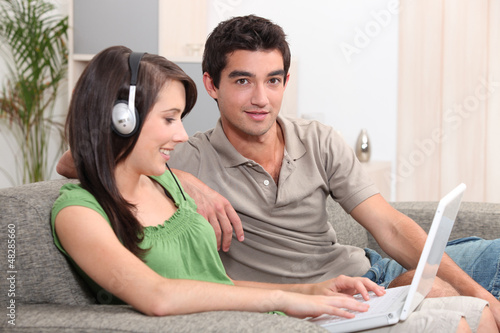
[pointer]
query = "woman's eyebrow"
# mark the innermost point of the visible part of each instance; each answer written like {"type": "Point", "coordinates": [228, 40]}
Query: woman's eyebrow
{"type": "Point", "coordinates": [175, 110]}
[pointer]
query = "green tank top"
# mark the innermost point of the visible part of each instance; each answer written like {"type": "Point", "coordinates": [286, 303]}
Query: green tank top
{"type": "Point", "coordinates": [183, 247]}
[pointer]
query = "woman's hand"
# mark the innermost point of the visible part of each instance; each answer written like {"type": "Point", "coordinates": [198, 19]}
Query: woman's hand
{"type": "Point", "coordinates": [348, 286]}
{"type": "Point", "coordinates": [303, 306]}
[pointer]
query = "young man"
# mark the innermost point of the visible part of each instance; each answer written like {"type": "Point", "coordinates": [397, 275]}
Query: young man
{"type": "Point", "coordinates": [277, 174]}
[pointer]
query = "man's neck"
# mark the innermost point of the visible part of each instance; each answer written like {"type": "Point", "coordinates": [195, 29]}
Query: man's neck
{"type": "Point", "coordinates": [267, 149]}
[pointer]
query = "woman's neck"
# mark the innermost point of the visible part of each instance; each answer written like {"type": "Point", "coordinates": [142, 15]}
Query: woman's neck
{"type": "Point", "coordinates": [129, 183]}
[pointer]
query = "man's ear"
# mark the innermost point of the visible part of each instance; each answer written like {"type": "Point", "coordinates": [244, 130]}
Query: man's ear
{"type": "Point", "coordinates": [208, 82]}
{"type": "Point", "coordinates": [287, 79]}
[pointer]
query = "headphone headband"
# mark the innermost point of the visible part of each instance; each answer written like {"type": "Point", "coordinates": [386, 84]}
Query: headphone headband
{"type": "Point", "coordinates": [125, 118]}
{"type": "Point", "coordinates": [134, 60]}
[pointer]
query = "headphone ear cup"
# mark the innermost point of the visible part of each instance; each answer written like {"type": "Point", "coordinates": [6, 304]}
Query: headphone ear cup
{"type": "Point", "coordinates": [124, 121]}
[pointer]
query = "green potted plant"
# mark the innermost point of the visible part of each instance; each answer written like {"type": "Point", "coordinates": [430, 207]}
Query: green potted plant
{"type": "Point", "coordinates": [33, 43]}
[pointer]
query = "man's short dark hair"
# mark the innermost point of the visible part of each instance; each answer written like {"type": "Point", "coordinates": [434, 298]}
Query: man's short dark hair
{"type": "Point", "coordinates": [251, 33]}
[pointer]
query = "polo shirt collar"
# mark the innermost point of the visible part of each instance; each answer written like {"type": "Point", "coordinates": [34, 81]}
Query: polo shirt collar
{"type": "Point", "coordinates": [230, 157]}
{"type": "Point", "coordinates": [293, 145]}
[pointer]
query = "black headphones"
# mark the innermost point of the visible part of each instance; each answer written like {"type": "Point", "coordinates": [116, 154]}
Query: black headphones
{"type": "Point", "coordinates": [125, 118]}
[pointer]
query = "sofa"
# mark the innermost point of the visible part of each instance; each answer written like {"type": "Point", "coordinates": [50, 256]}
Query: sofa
{"type": "Point", "coordinates": [40, 291]}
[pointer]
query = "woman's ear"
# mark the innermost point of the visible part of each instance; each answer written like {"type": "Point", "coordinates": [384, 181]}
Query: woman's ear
{"type": "Point", "coordinates": [208, 82]}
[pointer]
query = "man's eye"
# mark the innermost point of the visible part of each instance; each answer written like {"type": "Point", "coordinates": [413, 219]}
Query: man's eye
{"type": "Point", "coordinates": [241, 81]}
{"type": "Point", "coordinates": [275, 80]}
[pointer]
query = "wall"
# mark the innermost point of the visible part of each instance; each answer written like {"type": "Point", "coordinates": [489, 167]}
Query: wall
{"type": "Point", "coordinates": [346, 56]}
{"type": "Point", "coordinates": [449, 99]}
{"type": "Point", "coordinates": [7, 162]}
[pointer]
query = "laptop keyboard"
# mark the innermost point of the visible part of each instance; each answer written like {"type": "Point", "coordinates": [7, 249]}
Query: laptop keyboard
{"type": "Point", "coordinates": [378, 304]}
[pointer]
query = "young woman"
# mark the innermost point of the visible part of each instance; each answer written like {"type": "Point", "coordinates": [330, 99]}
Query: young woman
{"type": "Point", "coordinates": [130, 229]}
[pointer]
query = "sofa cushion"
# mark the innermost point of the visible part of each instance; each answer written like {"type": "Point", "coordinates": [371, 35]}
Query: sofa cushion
{"type": "Point", "coordinates": [113, 318]}
{"type": "Point", "coordinates": [481, 219]}
{"type": "Point", "coordinates": [349, 232]}
{"type": "Point", "coordinates": [42, 274]}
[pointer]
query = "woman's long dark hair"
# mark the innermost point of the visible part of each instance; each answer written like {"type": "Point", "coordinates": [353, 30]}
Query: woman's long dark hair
{"type": "Point", "coordinates": [95, 147]}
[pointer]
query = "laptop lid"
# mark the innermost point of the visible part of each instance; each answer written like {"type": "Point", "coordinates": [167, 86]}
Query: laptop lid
{"type": "Point", "coordinates": [433, 251]}
{"type": "Point", "coordinates": [409, 297]}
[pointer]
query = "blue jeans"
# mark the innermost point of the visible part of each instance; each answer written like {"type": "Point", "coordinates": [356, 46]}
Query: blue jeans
{"type": "Point", "coordinates": [477, 257]}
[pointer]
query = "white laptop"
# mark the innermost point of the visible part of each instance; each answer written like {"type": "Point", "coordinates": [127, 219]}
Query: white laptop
{"type": "Point", "coordinates": [398, 303]}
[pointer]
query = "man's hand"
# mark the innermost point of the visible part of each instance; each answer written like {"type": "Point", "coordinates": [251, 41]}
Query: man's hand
{"type": "Point", "coordinates": [494, 304]}
{"type": "Point", "coordinates": [495, 309]}
{"type": "Point", "coordinates": [211, 205]}
{"type": "Point", "coordinates": [215, 208]}
{"type": "Point", "coordinates": [402, 239]}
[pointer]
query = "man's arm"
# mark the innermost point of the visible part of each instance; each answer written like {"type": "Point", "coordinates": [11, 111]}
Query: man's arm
{"type": "Point", "coordinates": [403, 239]}
{"type": "Point", "coordinates": [66, 166]}
{"type": "Point", "coordinates": [213, 207]}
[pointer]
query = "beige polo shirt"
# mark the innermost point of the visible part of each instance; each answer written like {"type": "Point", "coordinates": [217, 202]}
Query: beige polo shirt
{"type": "Point", "coordinates": [287, 235]}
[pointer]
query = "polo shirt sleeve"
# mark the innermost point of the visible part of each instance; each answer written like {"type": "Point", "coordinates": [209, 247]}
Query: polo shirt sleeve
{"type": "Point", "coordinates": [186, 156]}
{"type": "Point", "coordinates": [348, 181]}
